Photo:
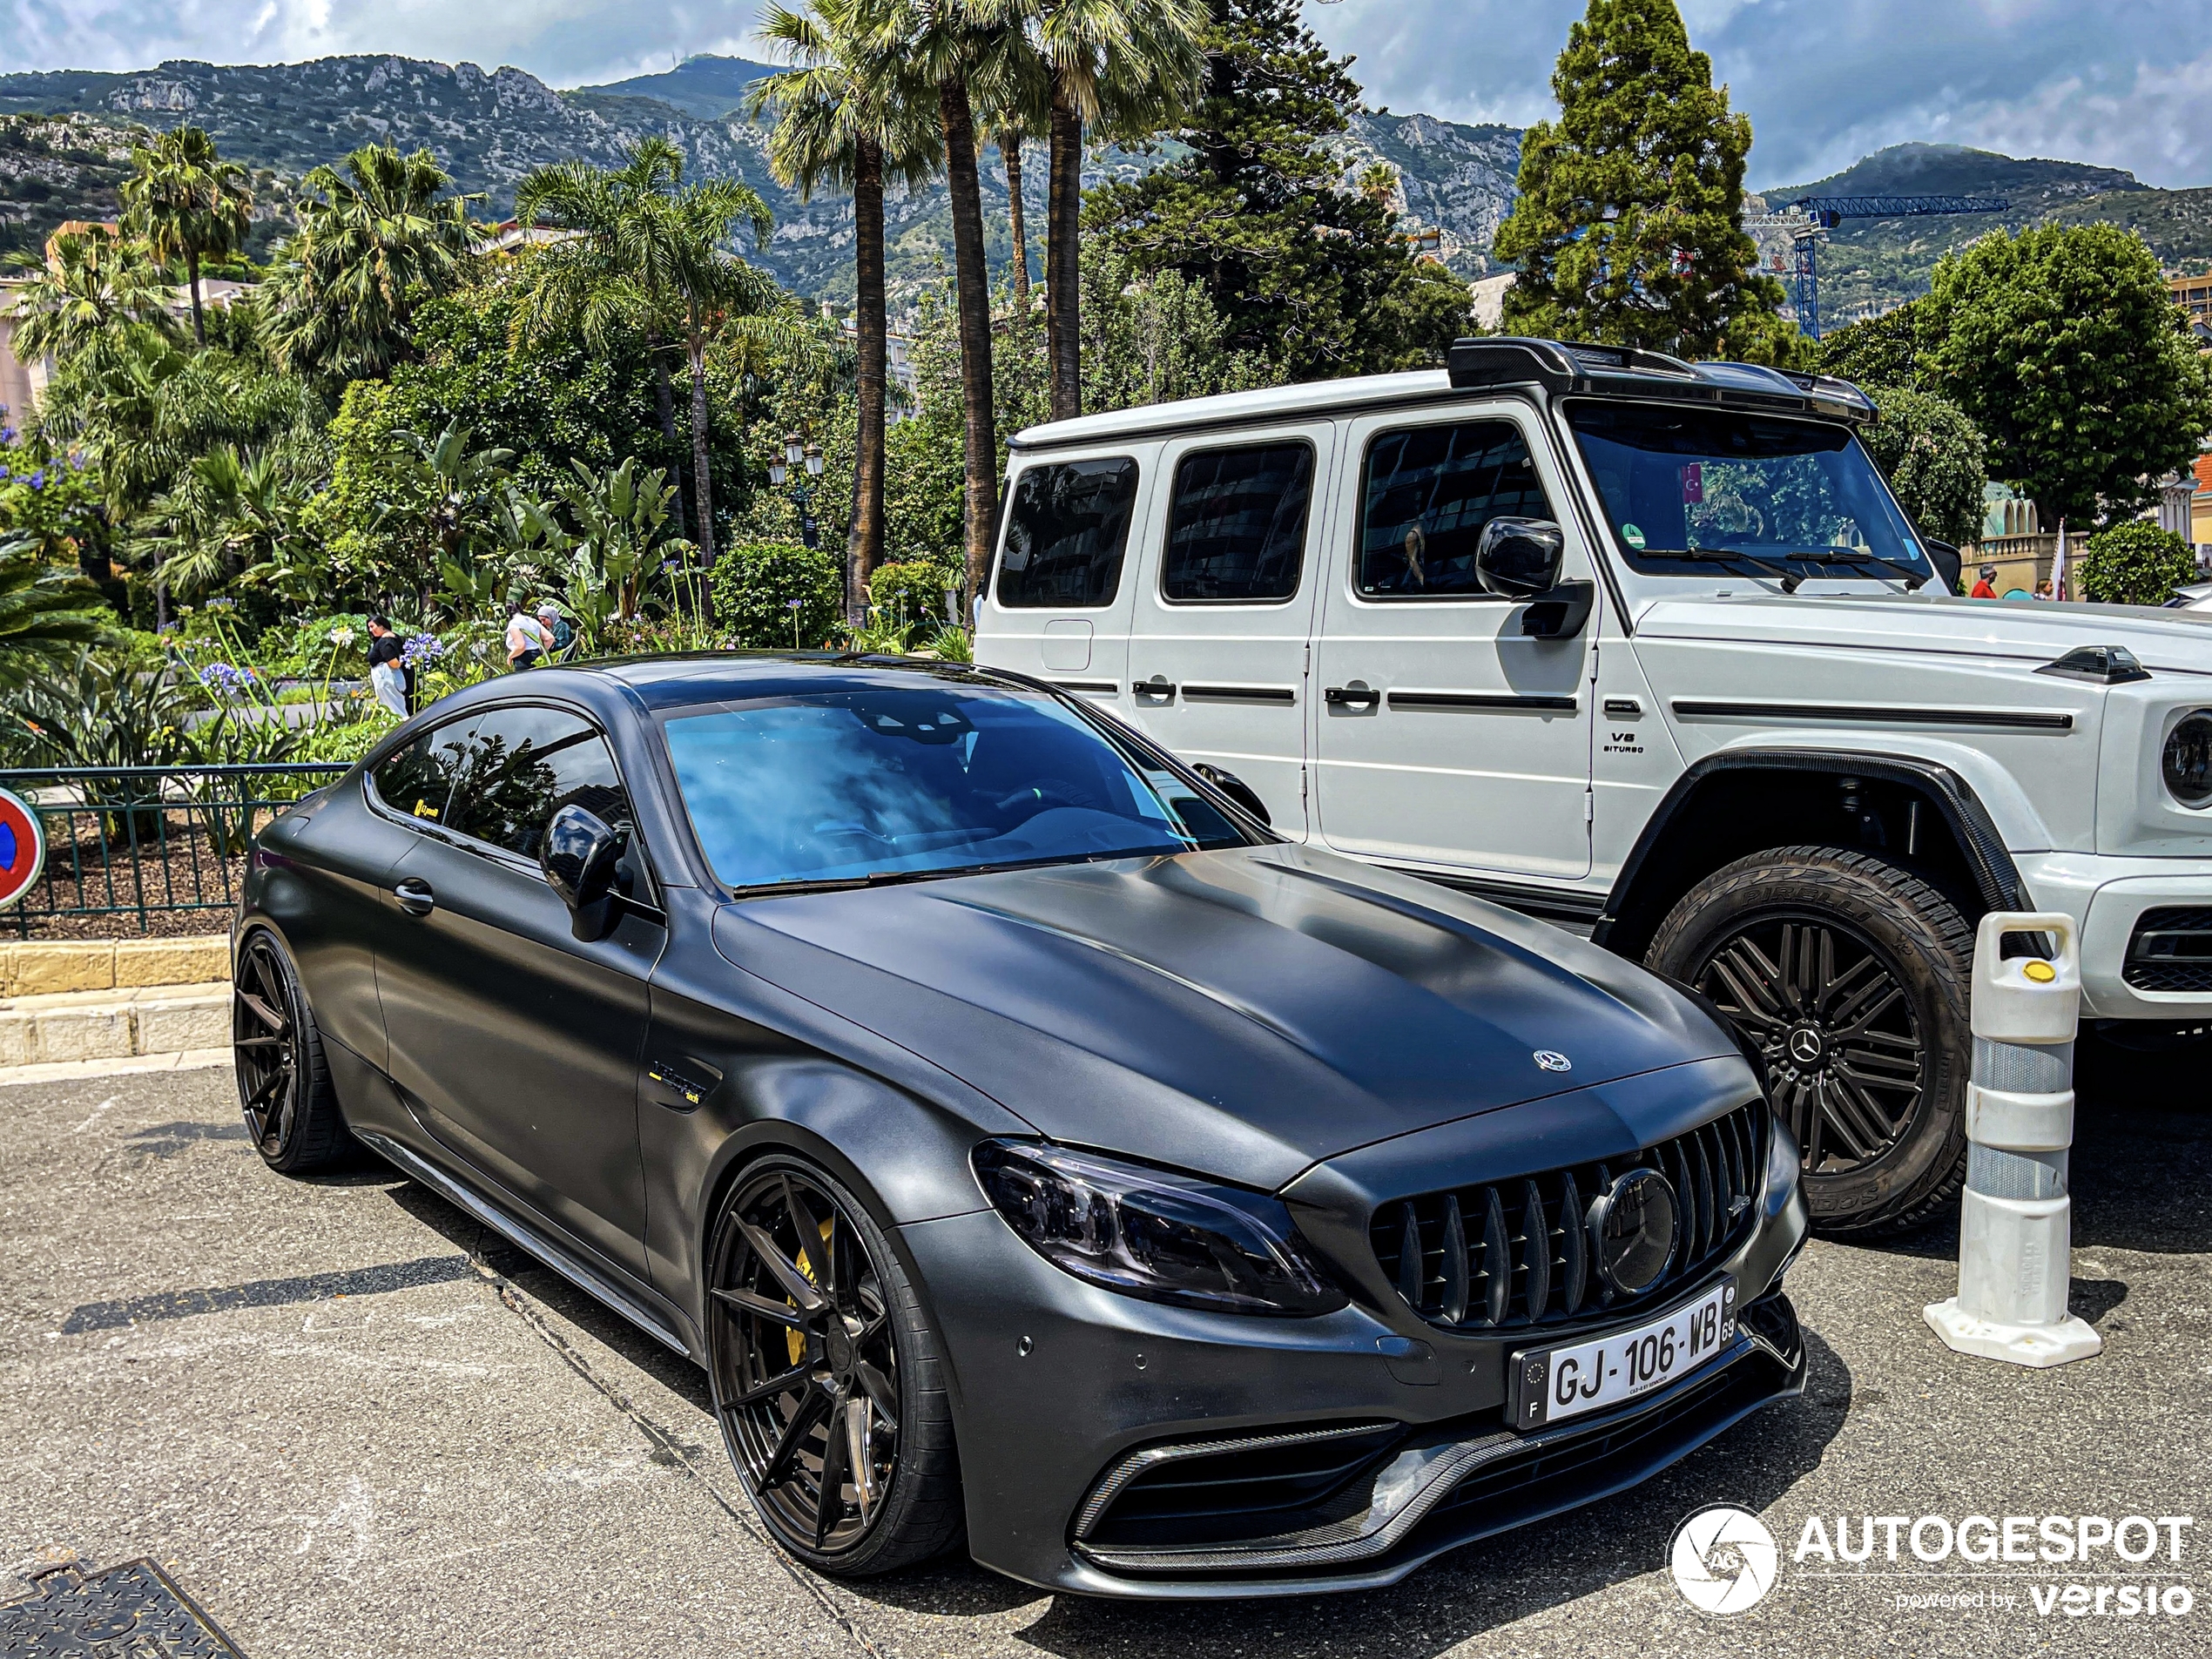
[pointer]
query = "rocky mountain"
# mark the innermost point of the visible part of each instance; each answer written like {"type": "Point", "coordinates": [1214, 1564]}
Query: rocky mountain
{"type": "Point", "coordinates": [1868, 266]}
{"type": "Point", "coordinates": [489, 128]}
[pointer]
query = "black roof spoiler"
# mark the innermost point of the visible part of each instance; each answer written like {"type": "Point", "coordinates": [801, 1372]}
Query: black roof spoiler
{"type": "Point", "coordinates": [1563, 365]}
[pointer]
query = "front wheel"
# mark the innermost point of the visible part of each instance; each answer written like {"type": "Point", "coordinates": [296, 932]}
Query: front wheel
{"type": "Point", "coordinates": [826, 1377]}
{"type": "Point", "coordinates": [1851, 975]}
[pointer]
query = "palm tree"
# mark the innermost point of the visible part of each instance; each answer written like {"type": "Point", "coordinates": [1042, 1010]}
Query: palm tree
{"type": "Point", "coordinates": [843, 122]}
{"type": "Point", "coordinates": [187, 202]}
{"type": "Point", "coordinates": [47, 613]}
{"type": "Point", "coordinates": [961, 50]}
{"type": "Point", "coordinates": [1126, 67]}
{"type": "Point", "coordinates": [374, 242]}
{"type": "Point", "coordinates": [100, 293]}
{"type": "Point", "coordinates": [1009, 136]}
{"type": "Point", "coordinates": [597, 277]}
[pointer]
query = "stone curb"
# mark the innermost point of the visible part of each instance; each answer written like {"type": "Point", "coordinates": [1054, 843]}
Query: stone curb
{"type": "Point", "coordinates": [93, 1026]}
{"type": "Point", "coordinates": [46, 966]}
{"type": "Point", "coordinates": [66, 1070]}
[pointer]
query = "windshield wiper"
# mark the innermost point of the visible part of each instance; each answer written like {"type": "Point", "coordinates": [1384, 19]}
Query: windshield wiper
{"type": "Point", "coordinates": [1913, 579]}
{"type": "Point", "coordinates": [940, 872]}
{"type": "Point", "coordinates": [1788, 579]}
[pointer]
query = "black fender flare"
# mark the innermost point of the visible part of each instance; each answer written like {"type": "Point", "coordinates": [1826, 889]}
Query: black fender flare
{"type": "Point", "coordinates": [1997, 878]}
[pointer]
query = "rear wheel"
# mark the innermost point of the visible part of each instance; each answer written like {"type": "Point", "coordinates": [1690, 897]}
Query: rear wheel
{"type": "Point", "coordinates": [283, 1080]}
{"type": "Point", "coordinates": [1850, 976]}
{"type": "Point", "coordinates": [825, 1377]}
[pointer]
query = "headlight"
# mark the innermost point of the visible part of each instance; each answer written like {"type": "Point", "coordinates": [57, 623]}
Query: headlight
{"type": "Point", "coordinates": [2187, 763]}
{"type": "Point", "coordinates": [1146, 1232]}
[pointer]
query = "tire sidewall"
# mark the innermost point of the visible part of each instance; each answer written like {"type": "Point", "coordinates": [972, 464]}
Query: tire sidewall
{"type": "Point", "coordinates": [1908, 929]}
{"type": "Point", "coordinates": [902, 1307]}
{"type": "Point", "coordinates": [304, 1055]}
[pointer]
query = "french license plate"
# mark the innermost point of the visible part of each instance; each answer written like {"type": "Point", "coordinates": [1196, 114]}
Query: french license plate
{"type": "Point", "coordinates": [1550, 1385]}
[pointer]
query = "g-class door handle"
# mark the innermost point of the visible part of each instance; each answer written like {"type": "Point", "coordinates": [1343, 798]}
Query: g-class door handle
{"type": "Point", "coordinates": [415, 896]}
{"type": "Point", "coordinates": [1353, 695]}
{"type": "Point", "coordinates": [1157, 687]}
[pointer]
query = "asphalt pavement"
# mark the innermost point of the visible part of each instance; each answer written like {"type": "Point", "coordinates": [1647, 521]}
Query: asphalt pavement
{"type": "Point", "coordinates": [349, 1422]}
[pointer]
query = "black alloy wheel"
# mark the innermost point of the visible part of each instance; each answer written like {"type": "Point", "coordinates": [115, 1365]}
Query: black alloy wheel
{"type": "Point", "coordinates": [1832, 1014]}
{"type": "Point", "coordinates": [814, 1340]}
{"type": "Point", "coordinates": [283, 1083]}
{"type": "Point", "coordinates": [1850, 975]}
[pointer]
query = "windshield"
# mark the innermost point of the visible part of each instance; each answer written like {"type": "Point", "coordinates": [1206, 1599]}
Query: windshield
{"type": "Point", "coordinates": [841, 782]}
{"type": "Point", "coordinates": [1797, 496]}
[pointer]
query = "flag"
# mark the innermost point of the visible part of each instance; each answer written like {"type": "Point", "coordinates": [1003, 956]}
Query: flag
{"type": "Point", "coordinates": [2058, 565]}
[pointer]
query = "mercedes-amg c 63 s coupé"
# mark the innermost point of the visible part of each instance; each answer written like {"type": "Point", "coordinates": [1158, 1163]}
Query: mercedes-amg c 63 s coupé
{"type": "Point", "coordinates": [1036, 1148]}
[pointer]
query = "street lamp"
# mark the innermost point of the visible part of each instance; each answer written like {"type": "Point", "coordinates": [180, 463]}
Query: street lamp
{"type": "Point", "coordinates": [798, 453]}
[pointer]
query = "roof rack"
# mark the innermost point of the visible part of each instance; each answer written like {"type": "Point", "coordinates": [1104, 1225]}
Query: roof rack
{"type": "Point", "coordinates": [1568, 366]}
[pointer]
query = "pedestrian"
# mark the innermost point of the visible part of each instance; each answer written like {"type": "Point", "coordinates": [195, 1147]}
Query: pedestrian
{"type": "Point", "coordinates": [2043, 589]}
{"type": "Point", "coordinates": [556, 628]}
{"type": "Point", "coordinates": [1983, 588]}
{"type": "Point", "coordinates": [527, 640]}
{"type": "Point", "coordinates": [386, 675]}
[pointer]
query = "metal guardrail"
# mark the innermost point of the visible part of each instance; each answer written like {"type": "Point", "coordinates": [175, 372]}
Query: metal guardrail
{"type": "Point", "coordinates": [145, 840]}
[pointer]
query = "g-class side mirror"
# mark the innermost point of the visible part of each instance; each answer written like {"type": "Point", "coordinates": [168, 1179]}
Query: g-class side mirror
{"type": "Point", "coordinates": [578, 856]}
{"type": "Point", "coordinates": [1520, 557]}
{"type": "Point", "coordinates": [1948, 565]}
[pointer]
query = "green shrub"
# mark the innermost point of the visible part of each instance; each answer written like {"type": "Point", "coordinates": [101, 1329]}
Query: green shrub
{"type": "Point", "coordinates": [2134, 563]}
{"type": "Point", "coordinates": [912, 590]}
{"type": "Point", "coordinates": [754, 584]}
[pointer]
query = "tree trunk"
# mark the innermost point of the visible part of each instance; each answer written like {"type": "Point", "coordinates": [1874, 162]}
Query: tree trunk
{"type": "Point", "coordinates": [664, 406]}
{"type": "Point", "coordinates": [702, 490]}
{"type": "Point", "coordinates": [972, 283]}
{"type": "Point", "coordinates": [864, 546]}
{"type": "Point", "coordinates": [1063, 270]}
{"type": "Point", "coordinates": [1011, 153]}
{"type": "Point", "coordinates": [199, 325]}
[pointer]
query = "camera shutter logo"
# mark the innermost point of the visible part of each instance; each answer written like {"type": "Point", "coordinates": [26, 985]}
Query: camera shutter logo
{"type": "Point", "coordinates": [1724, 1560]}
{"type": "Point", "coordinates": [22, 848]}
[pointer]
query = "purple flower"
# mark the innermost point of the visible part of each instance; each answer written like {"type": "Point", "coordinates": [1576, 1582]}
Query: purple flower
{"type": "Point", "coordinates": [221, 677]}
{"type": "Point", "coordinates": [421, 649]}
{"type": "Point", "coordinates": [37, 480]}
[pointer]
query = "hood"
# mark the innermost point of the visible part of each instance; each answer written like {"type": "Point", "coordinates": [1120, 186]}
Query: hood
{"type": "Point", "coordinates": [2035, 633]}
{"type": "Point", "coordinates": [1242, 1014]}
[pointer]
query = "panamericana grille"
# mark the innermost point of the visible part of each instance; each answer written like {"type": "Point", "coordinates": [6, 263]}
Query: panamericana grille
{"type": "Point", "coordinates": [1516, 1252]}
{"type": "Point", "coordinates": [2170, 949]}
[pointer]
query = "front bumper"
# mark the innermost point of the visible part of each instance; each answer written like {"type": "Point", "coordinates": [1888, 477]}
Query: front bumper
{"type": "Point", "coordinates": [2109, 898]}
{"type": "Point", "coordinates": [1056, 1383]}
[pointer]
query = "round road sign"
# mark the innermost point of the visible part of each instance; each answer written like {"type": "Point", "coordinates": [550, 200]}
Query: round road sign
{"type": "Point", "coordinates": [22, 848]}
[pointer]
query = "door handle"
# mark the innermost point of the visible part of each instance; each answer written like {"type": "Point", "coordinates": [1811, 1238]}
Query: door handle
{"type": "Point", "coordinates": [1338, 697]}
{"type": "Point", "coordinates": [1161, 689]}
{"type": "Point", "coordinates": [415, 896]}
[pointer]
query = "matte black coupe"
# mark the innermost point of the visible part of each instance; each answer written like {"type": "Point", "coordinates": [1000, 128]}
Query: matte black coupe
{"type": "Point", "coordinates": [1036, 1148]}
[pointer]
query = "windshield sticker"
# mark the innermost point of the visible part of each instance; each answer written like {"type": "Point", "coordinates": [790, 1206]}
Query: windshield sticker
{"type": "Point", "coordinates": [1633, 537]}
{"type": "Point", "coordinates": [1693, 484]}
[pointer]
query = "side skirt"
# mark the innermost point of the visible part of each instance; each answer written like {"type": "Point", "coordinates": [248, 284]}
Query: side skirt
{"type": "Point", "coordinates": [592, 1284]}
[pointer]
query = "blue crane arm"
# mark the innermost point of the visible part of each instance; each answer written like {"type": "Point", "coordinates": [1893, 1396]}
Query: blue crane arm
{"type": "Point", "coordinates": [1830, 209]}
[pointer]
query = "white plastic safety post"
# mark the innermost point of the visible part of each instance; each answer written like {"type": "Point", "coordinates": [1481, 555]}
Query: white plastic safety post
{"type": "Point", "coordinates": [2015, 1222]}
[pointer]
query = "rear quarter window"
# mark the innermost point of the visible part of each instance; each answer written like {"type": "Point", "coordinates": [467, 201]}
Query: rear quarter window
{"type": "Point", "coordinates": [1067, 527]}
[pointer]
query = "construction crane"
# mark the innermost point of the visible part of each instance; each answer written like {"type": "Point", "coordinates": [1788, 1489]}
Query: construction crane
{"type": "Point", "coordinates": [1809, 219]}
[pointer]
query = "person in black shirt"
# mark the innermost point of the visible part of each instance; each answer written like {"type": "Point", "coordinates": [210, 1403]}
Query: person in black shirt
{"type": "Point", "coordinates": [387, 673]}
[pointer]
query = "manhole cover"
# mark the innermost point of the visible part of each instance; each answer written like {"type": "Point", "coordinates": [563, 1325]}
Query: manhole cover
{"type": "Point", "coordinates": [130, 1611]}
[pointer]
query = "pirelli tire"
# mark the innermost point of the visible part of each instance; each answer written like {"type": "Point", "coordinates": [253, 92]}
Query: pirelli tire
{"type": "Point", "coordinates": [1851, 976]}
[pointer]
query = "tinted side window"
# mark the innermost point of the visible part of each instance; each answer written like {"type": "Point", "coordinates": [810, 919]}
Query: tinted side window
{"type": "Point", "coordinates": [1428, 492]}
{"type": "Point", "coordinates": [523, 765]}
{"type": "Point", "coordinates": [1236, 529]}
{"type": "Point", "coordinates": [1065, 530]}
{"type": "Point", "coordinates": [418, 779]}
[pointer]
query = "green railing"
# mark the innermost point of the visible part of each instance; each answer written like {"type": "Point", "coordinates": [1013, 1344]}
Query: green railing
{"type": "Point", "coordinates": [140, 841]}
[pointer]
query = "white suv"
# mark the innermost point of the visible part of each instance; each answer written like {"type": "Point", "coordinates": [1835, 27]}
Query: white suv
{"type": "Point", "coordinates": [1646, 647]}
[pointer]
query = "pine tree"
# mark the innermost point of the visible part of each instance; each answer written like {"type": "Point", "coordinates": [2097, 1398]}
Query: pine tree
{"type": "Point", "coordinates": [1629, 226]}
{"type": "Point", "coordinates": [1303, 271]}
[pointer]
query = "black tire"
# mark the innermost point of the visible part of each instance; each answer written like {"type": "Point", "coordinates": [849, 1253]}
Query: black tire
{"type": "Point", "coordinates": [284, 1086]}
{"type": "Point", "coordinates": [1851, 976]}
{"type": "Point", "coordinates": [882, 1387]}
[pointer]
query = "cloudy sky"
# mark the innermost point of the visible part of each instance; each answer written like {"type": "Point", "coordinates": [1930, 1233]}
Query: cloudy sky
{"type": "Point", "coordinates": [2128, 84]}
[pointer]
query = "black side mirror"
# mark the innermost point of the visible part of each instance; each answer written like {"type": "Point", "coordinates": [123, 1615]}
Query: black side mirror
{"type": "Point", "coordinates": [1948, 565]}
{"type": "Point", "coordinates": [1236, 789]}
{"type": "Point", "coordinates": [578, 857]}
{"type": "Point", "coordinates": [1520, 557]}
